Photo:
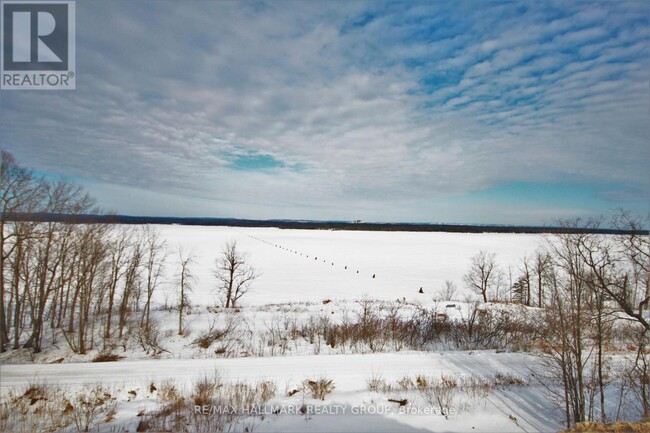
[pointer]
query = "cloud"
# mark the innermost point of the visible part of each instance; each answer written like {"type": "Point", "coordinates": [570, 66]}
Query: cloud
{"type": "Point", "coordinates": [379, 105]}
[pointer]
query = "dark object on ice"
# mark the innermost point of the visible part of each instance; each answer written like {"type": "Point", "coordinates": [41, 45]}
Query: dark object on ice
{"type": "Point", "coordinates": [346, 267]}
{"type": "Point", "coordinates": [400, 402]}
{"type": "Point", "coordinates": [373, 275]}
{"type": "Point", "coordinates": [327, 301]}
{"type": "Point", "coordinates": [421, 291]}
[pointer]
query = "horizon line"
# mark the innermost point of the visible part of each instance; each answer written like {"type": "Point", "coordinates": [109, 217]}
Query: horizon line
{"type": "Point", "coordinates": [112, 218]}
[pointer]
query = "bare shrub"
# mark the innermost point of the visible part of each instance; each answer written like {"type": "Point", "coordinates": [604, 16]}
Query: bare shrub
{"type": "Point", "coordinates": [40, 407]}
{"type": "Point", "coordinates": [376, 383]}
{"type": "Point", "coordinates": [221, 406]}
{"type": "Point", "coordinates": [277, 337]}
{"type": "Point", "coordinates": [441, 392]}
{"type": "Point", "coordinates": [168, 391]}
{"type": "Point", "coordinates": [449, 291]}
{"type": "Point", "coordinates": [44, 407]}
{"type": "Point", "coordinates": [509, 379]}
{"type": "Point", "coordinates": [88, 406]}
{"type": "Point", "coordinates": [406, 383]}
{"type": "Point", "coordinates": [445, 392]}
{"type": "Point", "coordinates": [205, 388]}
{"type": "Point", "coordinates": [398, 330]}
{"type": "Point", "coordinates": [422, 382]}
{"type": "Point", "coordinates": [148, 337]}
{"type": "Point", "coordinates": [320, 387]}
{"type": "Point", "coordinates": [267, 390]}
{"type": "Point", "coordinates": [369, 326]}
{"type": "Point", "coordinates": [107, 357]}
{"type": "Point", "coordinates": [218, 329]}
{"type": "Point", "coordinates": [381, 326]}
{"type": "Point", "coordinates": [242, 396]}
{"type": "Point", "coordinates": [476, 388]}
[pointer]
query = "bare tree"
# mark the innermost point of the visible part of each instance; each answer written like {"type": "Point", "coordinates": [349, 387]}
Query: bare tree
{"type": "Point", "coordinates": [484, 275]}
{"type": "Point", "coordinates": [567, 320]}
{"type": "Point", "coordinates": [635, 247]}
{"type": "Point", "coordinates": [584, 273]}
{"type": "Point", "coordinates": [449, 291]}
{"type": "Point", "coordinates": [186, 280]}
{"type": "Point", "coordinates": [65, 275]}
{"type": "Point", "coordinates": [154, 266]}
{"type": "Point", "coordinates": [618, 271]}
{"type": "Point", "coordinates": [470, 322]}
{"type": "Point", "coordinates": [620, 266]}
{"type": "Point", "coordinates": [524, 281]}
{"type": "Point", "coordinates": [91, 277]}
{"type": "Point", "coordinates": [132, 283]}
{"type": "Point", "coordinates": [19, 192]}
{"type": "Point", "coordinates": [540, 266]}
{"type": "Point", "coordinates": [118, 251]}
{"type": "Point", "coordinates": [234, 275]}
{"type": "Point", "coordinates": [55, 243]}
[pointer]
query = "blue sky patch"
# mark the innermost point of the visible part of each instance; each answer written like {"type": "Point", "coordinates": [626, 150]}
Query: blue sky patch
{"type": "Point", "coordinates": [255, 162]}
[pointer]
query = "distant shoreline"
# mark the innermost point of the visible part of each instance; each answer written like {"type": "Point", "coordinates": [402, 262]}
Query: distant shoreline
{"type": "Point", "coordinates": [313, 225]}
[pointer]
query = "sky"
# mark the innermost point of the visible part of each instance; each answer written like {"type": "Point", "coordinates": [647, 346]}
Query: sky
{"type": "Point", "coordinates": [445, 112]}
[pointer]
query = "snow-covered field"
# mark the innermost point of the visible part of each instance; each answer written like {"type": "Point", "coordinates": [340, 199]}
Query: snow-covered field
{"type": "Point", "coordinates": [299, 269]}
{"type": "Point", "coordinates": [309, 265]}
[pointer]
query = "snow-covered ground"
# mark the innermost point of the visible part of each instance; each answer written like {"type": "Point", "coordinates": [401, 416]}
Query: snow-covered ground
{"type": "Point", "coordinates": [299, 269]}
{"type": "Point", "coordinates": [309, 265]}
{"type": "Point", "coordinates": [505, 409]}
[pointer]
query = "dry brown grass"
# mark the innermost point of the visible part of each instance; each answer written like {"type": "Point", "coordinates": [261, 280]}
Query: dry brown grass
{"type": "Point", "coordinates": [617, 427]}
{"type": "Point", "coordinates": [320, 387]}
{"type": "Point", "coordinates": [212, 394]}
{"type": "Point", "coordinates": [44, 407]}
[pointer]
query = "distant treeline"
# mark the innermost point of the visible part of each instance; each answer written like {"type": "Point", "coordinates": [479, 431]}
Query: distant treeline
{"type": "Point", "coordinates": [313, 225]}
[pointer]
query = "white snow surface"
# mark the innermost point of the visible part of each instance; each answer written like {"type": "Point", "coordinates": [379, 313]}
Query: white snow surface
{"type": "Point", "coordinates": [300, 269]}
{"type": "Point", "coordinates": [511, 409]}
{"type": "Point", "coordinates": [309, 265]}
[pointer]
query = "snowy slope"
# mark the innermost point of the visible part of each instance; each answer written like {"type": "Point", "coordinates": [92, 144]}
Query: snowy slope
{"type": "Point", "coordinates": [350, 373]}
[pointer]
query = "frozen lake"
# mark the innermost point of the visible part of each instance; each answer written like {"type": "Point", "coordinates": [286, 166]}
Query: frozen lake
{"type": "Point", "coordinates": [309, 265]}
